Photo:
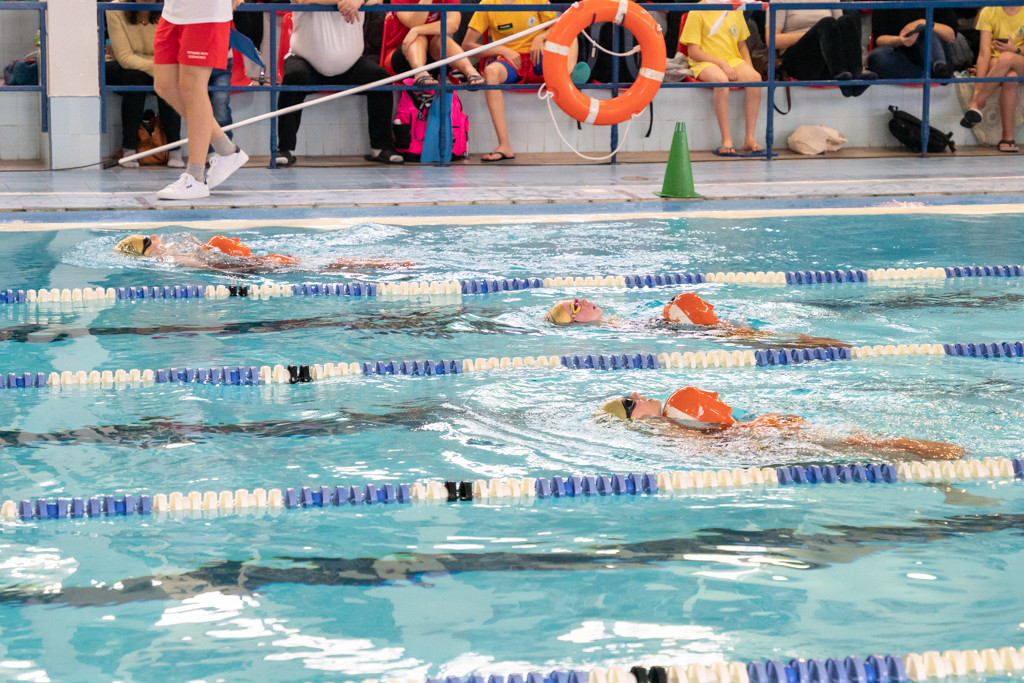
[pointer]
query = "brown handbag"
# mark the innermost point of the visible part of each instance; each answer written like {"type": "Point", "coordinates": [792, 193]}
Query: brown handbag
{"type": "Point", "coordinates": [151, 136]}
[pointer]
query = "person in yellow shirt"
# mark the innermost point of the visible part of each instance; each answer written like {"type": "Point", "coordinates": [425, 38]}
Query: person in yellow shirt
{"type": "Point", "coordinates": [717, 53]}
{"type": "Point", "coordinates": [1001, 54]}
{"type": "Point", "coordinates": [516, 62]}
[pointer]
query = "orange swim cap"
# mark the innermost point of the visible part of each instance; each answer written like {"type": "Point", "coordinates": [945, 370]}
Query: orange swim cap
{"type": "Point", "coordinates": [697, 409]}
{"type": "Point", "coordinates": [690, 307]}
{"type": "Point", "coordinates": [229, 245]}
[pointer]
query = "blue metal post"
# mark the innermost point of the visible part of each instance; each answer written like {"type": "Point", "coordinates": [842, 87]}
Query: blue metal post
{"type": "Point", "coordinates": [769, 126]}
{"type": "Point", "coordinates": [445, 141]}
{"type": "Point", "coordinates": [926, 94]}
{"type": "Point", "coordinates": [274, 92]}
{"type": "Point", "coordinates": [616, 32]}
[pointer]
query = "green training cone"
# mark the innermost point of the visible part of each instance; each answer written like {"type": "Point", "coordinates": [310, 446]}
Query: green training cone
{"type": "Point", "coordinates": [678, 174]}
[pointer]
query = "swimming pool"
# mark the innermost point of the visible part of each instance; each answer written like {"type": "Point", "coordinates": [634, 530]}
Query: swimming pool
{"type": "Point", "coordinates": [519, 584]}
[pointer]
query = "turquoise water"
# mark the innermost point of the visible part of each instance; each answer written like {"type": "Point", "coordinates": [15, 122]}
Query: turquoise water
{"type": "Point", "coordinates": [411, 591]}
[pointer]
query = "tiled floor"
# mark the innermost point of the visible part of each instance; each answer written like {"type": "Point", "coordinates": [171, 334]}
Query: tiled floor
{"type": "Point", "coordinates": [627, 186]}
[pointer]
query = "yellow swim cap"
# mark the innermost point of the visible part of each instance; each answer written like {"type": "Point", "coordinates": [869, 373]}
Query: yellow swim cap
{"type": "Point", "coordinates": [559, 314]}
{"type": "Point", "coordinates": [615, 407]}
{"type": "Point", "coordinates": [133, 245]}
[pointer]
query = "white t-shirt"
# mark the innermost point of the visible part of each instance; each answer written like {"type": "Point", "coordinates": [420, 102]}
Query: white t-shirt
{"type": "Point", "coordinates": [197, 11]}
{"type": "Point", "coordinates": [327, 41]}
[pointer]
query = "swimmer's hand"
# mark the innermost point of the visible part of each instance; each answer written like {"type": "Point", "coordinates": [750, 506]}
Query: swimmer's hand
{"type": "Point", "coordinates": [346, 263]}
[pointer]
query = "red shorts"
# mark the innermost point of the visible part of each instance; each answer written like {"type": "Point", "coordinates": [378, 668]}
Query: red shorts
{"type": "Point", "coordinates": [192, 44]}
{"type": "Point", "coordinates": [524, 74]}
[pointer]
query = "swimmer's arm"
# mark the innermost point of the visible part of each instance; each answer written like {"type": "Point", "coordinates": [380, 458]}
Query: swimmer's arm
{"type": "Point", "coordinates": [795, 340]}
{"type": "Point", "coordinates": [346, 263]}
{"type": "Point", "coordinates": [921, 448]}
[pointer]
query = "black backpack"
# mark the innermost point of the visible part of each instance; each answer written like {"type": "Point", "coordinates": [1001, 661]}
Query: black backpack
{"type": "Point", "coordinates": [907, 129]}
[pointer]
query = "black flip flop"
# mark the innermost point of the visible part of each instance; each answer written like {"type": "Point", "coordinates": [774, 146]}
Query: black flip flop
{"type": "Point", "coordinates": [501, 157]}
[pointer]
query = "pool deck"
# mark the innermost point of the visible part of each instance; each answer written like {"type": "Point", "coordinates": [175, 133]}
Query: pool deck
{"type": "Point", "coordinates": [460, 189]}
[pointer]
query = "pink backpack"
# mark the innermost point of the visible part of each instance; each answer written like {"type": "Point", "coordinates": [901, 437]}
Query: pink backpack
{"type": "Point", "coordinates": [410, 125]}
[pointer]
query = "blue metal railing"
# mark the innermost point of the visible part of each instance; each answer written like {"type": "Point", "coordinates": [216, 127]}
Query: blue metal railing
{"type": "Point", "coordinates": [614, 86]}
{"type": "Point", "coordinates": [44, 102]}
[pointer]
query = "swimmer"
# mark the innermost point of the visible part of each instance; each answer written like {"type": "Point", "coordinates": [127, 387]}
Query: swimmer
{"type": "Point", "coordinates": [229, 254]}
{"type": "Point", "coordinates": [686, 308]}
{"type": "Point", "coordinates": [702, 412]}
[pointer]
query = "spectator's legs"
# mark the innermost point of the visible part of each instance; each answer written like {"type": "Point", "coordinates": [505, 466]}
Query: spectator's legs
{"type": "Point", "coordinates": [132, 103]}
{"type": "Point", "coordinates": [720, 99]}
{"type": "Point", "coordinates": [464, 66]}
{"type": "Point", "coordinates": [220, 100]}
{"type": "Point", "coordinates": [891, 62]}
{"type": "Point", "coordinates": [297, 71]}
{"type": "Point", "coordinates": [850, 57]}
{"type": "Point", "coordinates": [999, 67]}
{"type": "Point", "coordinates": [495, 73]}
{"type": "Point", "coordinates": [379, 104]}
{"type": "Point", "coordinates": [1008, 106]}
{"type": "Point", "coordinates": [815, 55]}
{"type": "Point", "coordinates": [745, 72]}
{"type": "Point", "coordinates": [416, 52]}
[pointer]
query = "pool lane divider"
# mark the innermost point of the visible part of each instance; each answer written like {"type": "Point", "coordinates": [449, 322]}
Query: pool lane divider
{"type": "Point", "coordinates": [916, 667]}
{"type": "Point", "coordinates": [294, 374]}
{"type": "Point", "coordinates": [509, 489]}
{"type": "Point", "coordinates": [489, 285]}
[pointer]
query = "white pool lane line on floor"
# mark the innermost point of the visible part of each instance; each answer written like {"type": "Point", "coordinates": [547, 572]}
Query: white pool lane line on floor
{"type": "Point", "coordinates": [894, 208]}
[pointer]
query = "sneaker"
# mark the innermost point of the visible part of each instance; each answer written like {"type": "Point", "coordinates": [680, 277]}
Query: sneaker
{"type": "Point", "coordinates": [223, 166]}
{"type": "Point", "coordinates": [185, 187]}
{"type": "Point", "coordinates": [175, 162]}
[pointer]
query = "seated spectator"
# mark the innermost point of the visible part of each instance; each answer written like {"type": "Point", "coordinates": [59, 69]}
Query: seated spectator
{"type": "Point", "coordinates": [515, 62]}
{"type": "Point", "coordinates": [899, 44]}
{"type": "Point", "coordinates": [130, 62]}
{"type": "Point", "coordinates": [721, 56]}
{"type": "Point", "coordinates": [998, 57]}
{"type": "Point", "coordinates": [409, 37]}
{"type": "Point", "coordinates": [327, 49]}
{"type": "Point", "coordinates": [821, 44]}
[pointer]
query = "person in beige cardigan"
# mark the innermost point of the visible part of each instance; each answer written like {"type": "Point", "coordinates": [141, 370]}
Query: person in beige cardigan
{"type": "Point", "coordinates": [130, 62]}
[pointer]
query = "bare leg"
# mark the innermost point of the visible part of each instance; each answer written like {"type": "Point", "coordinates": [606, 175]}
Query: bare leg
{"type": "Point", "coordinates": [463, 66]}
{"type": "Point", "coordinates": [745, 72]}
{"type": "Point", "coordinates": [165, 81]}
{"type": "Point", "coordinates": [1008, 106]}
{"type": "Point", "coordinates": [999, 67]}
{"type": "Point", "coordinates": [494, 74]}
{"type": "Point", "coordinates": [720, 99]}
{"type": "Point", "coordinates": [193, 82]}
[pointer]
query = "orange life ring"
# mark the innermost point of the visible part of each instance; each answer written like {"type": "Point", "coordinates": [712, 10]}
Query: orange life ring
{"type": "Point", "coordinates": [556, 61]}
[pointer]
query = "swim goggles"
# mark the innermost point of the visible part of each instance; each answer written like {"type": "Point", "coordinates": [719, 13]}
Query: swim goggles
{"type": "Point", "coordinates": [574, 308]}
{"type": "Point", "coordinates": [628, 403]}
{"type": "Point", "coordinates": [146, 244]}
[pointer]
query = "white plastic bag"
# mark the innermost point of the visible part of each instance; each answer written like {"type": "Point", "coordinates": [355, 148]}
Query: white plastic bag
{"type": "Point", "coordinates": [816, 139]}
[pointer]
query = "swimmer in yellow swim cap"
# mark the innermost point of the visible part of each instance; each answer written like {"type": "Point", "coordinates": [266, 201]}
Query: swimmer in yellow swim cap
{"type": "Point", "coordinates": [579, 311]}
{"type": "Point", "coordinates": [230, 254]}
{"type": "Point", "coordinates": [699, 411]}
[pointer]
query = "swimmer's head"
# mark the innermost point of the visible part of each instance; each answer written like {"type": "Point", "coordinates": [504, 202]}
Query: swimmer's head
{"type": "Point", "coordinates": [690, 307]}
{"type": "Point", "coordinates": [633, 407]}
{"type": "Point", "coordinates": [139, 245]}
{"type": "Point", "coordinates": [697, 409]}
{"type": "Point", "coordinates": [575, 311]}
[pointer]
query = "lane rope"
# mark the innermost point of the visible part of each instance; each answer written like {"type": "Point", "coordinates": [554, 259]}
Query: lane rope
{"type": "Point", "coordinates": [489, 285]}
{"type": "Point", "coordinates": [295, 374]}
{"type": "Point", "coordinates": [515, 490]}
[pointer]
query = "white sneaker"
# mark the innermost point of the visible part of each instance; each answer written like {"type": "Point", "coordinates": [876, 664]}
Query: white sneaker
{"type": "Point", "coordinates": [175, 162]}
{"type": "Point", "coordinates": [223, 166]}
{"type": "Point", "coordinates": [185, 187]}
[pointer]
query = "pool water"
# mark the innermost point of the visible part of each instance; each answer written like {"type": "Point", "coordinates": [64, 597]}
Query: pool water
{"type": "Point", "coordinates": [421, 590]}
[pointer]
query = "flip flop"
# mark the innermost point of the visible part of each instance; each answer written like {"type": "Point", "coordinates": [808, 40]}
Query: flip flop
{"type": "Point", "coordinates": [725, 151]}
{"type": "Point", "coordinates": [475, 81]}
{"type": "Point", "coordinates": [1007, 146]}
{"type": "Point", "coordinates": [972, 117]}
{"type": "Point", "coordinates": [501, 157]}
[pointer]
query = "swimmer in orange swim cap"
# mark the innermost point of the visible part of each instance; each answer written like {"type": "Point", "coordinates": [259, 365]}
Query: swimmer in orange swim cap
{"type": "Point", "coordinates": [686, 308]}
{"type": "Point", "coordinates": [579, 311]}
{"type": "Point", "coordinates": [230, 254]}
{"type": "Point", "coordinates": [699, 411]}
